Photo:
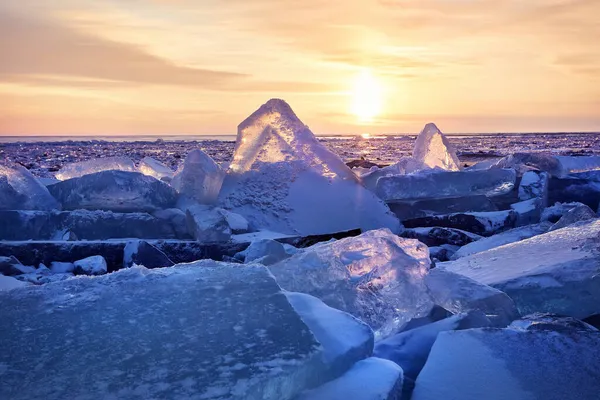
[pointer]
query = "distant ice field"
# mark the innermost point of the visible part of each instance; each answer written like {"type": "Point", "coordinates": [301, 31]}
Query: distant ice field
{"type": "Point", "coordinates": [45, 155]}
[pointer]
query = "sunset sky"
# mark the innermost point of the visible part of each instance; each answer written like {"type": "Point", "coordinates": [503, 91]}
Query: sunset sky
{"type": "Point", "coordinates": [112, 67]}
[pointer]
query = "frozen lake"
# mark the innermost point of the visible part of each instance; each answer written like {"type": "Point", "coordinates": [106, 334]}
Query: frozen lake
{"type": "Point", "coordinates": [45, 155]}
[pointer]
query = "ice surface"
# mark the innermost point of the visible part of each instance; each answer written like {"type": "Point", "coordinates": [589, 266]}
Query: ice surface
{"type": "Point", "coordinates": [140, 252]}
{"type": "Point", "coordinates": [200, 178]}
{"type": "Point", "coordinates": [502, 238]}
{"type": "Point", "coordinates": [83, 224]}
{"type": "Point", "coordinates": [376, 276]}
{"type": "Point", "coordinates": [550, 322]}
{"type": "Point", "coordinates": [94, 265]}
{"type": "Point", "coordinates": [576, 214]}
{"type": "Point", "coordinates": [152, 167]}
{"type": "Point", "coordinates": [19, 190]}
{"type": "Point", "coordinates": [9, 283]}
{"type": "Point", "coordinates": [500, 364]}
{"type": "Point", "coordinates": [410, 349]}
{"type": "Point", "coordinates": [433, 185]}
{"type": "Point", "coordinates": [345, 339]}
{"type": "Point", "coordinates": [265, 251]}
{"type": "Point", "coordinates": [534, 185]}
{"type": "Point", "coordinates": [571, 165]}
{"type": "Point", "coordinates": [82, 168]}
{"type": "Point", "coordinates": [204, 330]}
{"type": "Point", "coordinates": [282, 179]}
{"type": "Point", "coordinates": [482, 223]}
{"type": "Point", "coordinates": [114, 191]}
{"type": "Point", "coordinates": [207, 224]}
{"type": "Point", "coordinates": [370, 379]}
{"type": "Point", "coordinates": [554, 272]}
{"type": "Point", "coordinates": [458, 294]}
{"type": "Point", "coordinates": [433, 149]}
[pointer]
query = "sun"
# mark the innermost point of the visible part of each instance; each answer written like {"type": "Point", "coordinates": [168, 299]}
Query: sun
{"type": "Point", "coordinates": [366, 96]}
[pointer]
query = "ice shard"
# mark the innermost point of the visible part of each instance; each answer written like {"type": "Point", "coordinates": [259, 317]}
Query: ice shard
{"type": "Point", "coordinates": [433, 149]}
{"type": "Point", "coordinates": [82, 168]}
{"type": "Point", "coordinates": [377, 277]}
{"type": "Point", "coordinates": [199, 178]}
{"type": "Point", "coordinates": [20, 190]}
{"type": "Point", "coordinates": [152, 167]}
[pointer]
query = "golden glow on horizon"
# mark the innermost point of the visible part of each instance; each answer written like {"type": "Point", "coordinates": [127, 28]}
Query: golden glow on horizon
{"type": "Point", "coordinates": [152, 67]}
{"type": "Point", "coordinates": [366, 96]}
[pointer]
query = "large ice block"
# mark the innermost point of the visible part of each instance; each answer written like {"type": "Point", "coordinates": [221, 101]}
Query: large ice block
{"type": "Point", "coordinates": [82, 168]}
{"type": "Point", "coordinates": [114, 191]}
{"type": "Point", "coordinates": [370, 379]}
{"type": "Point", "coordinates": [410, 349]}
{"type": "Point", "coordinates": [570, 164]}
{"type": "Point", "coordinates": [204, 330]}
{"type": "Point", "coordinates": [458, 294]}
{"type": "Point", "coordinates": [199, 178]}
{"type": "Point", "coordinates": [152, 167]}
{"type": "Point", "coordinates": [502, 238]}
{"type": "Point", "coordinates": [19, 190]}
{"type": "Point", "coordinates": [284, 180]}
{"type": "Point", "coordinates": [406, 165]}
{"type": "Point", "coordinates": [534, 185]}
{"type": "Point", "coordinates": [433, 149]}
{"type": "Point", "coordinates": [554, 272]}
{"type": "Point", "coordinates": [500, 364]}
{"type": "Point", "coordinates": [576, 214]}
{"type": "Point", "coordinates": [481, 223]}
{"type": "Point", "coordinates": [377, 277]}
{"type": "Point", "coordinates": [432, 185]}
{"type": "Point", "coordinates": [437, 236]}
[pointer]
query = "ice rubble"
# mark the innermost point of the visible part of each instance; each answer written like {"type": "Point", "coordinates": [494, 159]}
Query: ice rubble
{"type": "Point", "coordinates": [207, 224]}
{"type": "Point", "coordinates": [377, 277]}
{"type": "Point", "coordinates": [94, 265]}
{"type": "Point", "coordinates": [152, 167]}
{"type": "Point", "coordinates": [370, 379]}
{"type": "Point", "coordinates": [459, 294]}
{"type": "Point", "coordinates": [576, 214]}
{"type": "Point", "coordinates": [534, 185]}
{"type": "Point", "coordinates": [554, 272]}
{"type": "Point", "coordinates": [499, 364]}
{"type": "Point", "coordinates": [410, 349]}
{"type": "Point", "coordinates": [19, 190]}
{"type": "Point", "coordinates": [82, 168]}
{"type": "Point", "coordinates": [481, 223]}
{"type": "Point", "coordinates": [502, 238]}
{"type": "Point", "coordinates": [437, 236]}
{"type": "Point", "coordinates": [214, 331]}
{"type": "Point", "coordinates": [140, 252]}
{"type": "Point", "coordinates": [114, 191]}
{"type": "Point", "coordinates": [282, 179]}
{"type": "Point", "coordinates": [265, 251]}
{"type": "Point", "coordinates": [409, 209]}
{"type": "Point", "coordinates": [434, 150]}
{"type": "Point", "coordinates": [199, 178]}
{"type": "Point", "coordinates": [435, 185]}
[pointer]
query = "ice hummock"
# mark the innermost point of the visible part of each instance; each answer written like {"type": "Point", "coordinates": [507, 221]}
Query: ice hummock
{"type": "Point", "coordinates": [284, 180]}
{"type": "Point", "coordinates": [20, 190]}
{"type": "Point", "coordinates": [202, 330]}
{"type": "Point", "coordinates": [554, 272]}
{"type": "Point", "coordinates": [152, 167]}
{"type": "Point", "coordinates": [82, 168]}
{"type": "Point", "coordinates": [434, 150]}
{"type": "Point", "coordinates": [199, 178]}
{"type": "Point", "coordinates": [377, 277]}
{"type": "Point", "coordinates": [500, 364]}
